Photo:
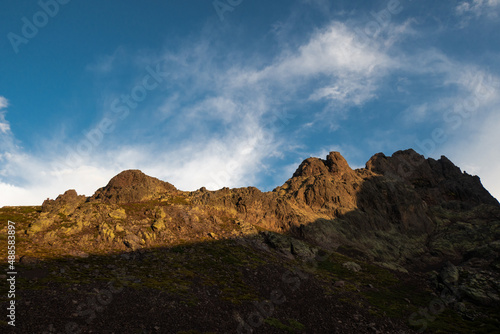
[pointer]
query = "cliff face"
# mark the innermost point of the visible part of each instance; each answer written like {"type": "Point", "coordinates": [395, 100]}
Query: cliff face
{"type": "Point", "coordinates": [402, 212]}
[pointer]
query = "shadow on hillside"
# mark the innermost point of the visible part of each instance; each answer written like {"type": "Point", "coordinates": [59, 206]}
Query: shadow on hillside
{"type": "Point", "coordinates": [213, 287]}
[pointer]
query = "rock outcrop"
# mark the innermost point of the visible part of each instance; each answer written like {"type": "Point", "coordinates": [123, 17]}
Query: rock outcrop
{"type": "Point", "coordinates": [132, 186]}
{"type": "Point", "coordinates": [65, 203]}
{"type": "Point", "coordinates": [436, 181]}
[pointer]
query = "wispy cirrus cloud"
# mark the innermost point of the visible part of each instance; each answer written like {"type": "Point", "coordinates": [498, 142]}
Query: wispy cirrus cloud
{"type": "Point", "coordinates": [338, 65]}
{"type": "Point", "coordinates": [478, 8]}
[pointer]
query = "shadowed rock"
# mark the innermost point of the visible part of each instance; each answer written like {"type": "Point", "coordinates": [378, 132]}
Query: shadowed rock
{"type": "Point", "coordinates": [435, 180]}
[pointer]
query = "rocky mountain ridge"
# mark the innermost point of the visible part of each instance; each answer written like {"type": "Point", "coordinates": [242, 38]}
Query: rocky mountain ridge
{"type": "Point", "coordinates": [398, 211]}
{"type": "Point", "coordinates": [402, 212]}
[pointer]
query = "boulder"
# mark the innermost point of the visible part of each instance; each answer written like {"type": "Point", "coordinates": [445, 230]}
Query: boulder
{"type": "Point", "coordinates": [352, 266]}
{"type": "Point", "coordinates": [132, 241]}
{"type": "Point", "coordinates": [449, 274]}
{"type": "Point", "coordinates": [118, 214]}
{"type": "Point", "coordinates": [39, 225]}
{"type": "Point", "coordinates": [158, 225]}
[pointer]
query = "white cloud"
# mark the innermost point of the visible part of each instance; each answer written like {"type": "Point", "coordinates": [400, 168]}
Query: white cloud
{"type": "Point", "coordinates": [334, 51]}
{"type": "Point", "coordinates": [417, 113]}
{"type": "Point", "coordinates": [453, 84]}
{"type": "Point", "coordinates": [231, 158]}
{"type": "Point", "coordinates": [477, 7]}
{"type": "Point", "coordinates": [460, 89]}
{"type": "Point", "coordinates": [41, 182]}
{"type": "Point", "coordinates": [469, 10]}
{"type": "Point", "coordinates": [350, 70]}
{"type": "Point", "coordinates": [338, 65]}
{"type": "Point", "coordinates": [346, 92]}
{"type": "Point", "coordinates": [4, 125]}
{"type": "Point", "coordinates": [26, 179]}
{"type": "Point", "coordinates": [3, 102]}
{"type": "Point", "coordinates": [220, 108]}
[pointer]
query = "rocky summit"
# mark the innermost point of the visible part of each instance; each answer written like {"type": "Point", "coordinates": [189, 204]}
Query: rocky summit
{"type": "Point", "coordinates": [404, 245]}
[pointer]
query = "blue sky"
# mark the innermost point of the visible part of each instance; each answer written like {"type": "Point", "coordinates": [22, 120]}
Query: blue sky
{"type": "Point", "coordinates": [238, 92]}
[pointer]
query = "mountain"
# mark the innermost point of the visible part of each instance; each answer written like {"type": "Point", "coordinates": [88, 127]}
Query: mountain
{"type": "Point", "coordinates": [404, 245]}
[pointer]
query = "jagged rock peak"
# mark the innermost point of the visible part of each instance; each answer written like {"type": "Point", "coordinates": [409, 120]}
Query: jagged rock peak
{"type": "Point", "coordinates": [334, 164]}
{"type": "Point", "coordinates": [435, 180]}
{"type": "Point", "coordinates": [132, 186]}
{"type": "Point", "coordinates": [69, 199]}
{"type": "Point", "coordinates": [399, 162]}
